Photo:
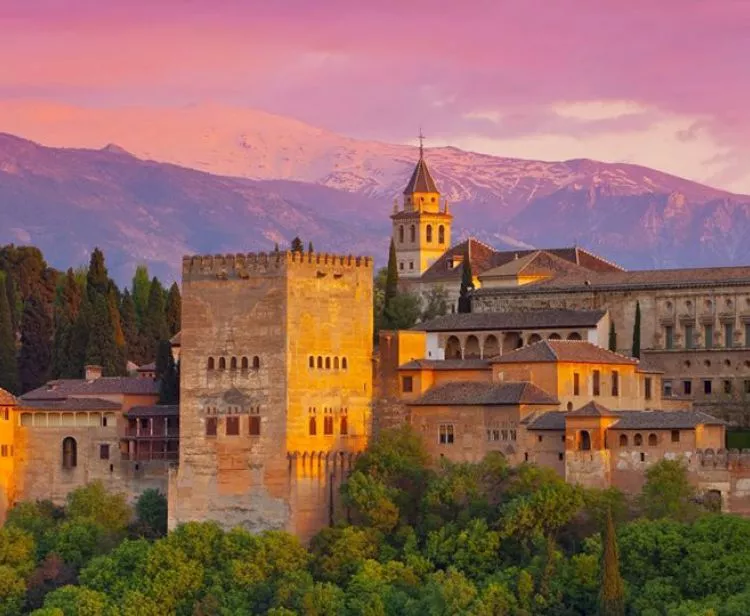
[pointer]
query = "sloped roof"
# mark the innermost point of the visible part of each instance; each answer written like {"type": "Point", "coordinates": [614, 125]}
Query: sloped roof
{"type": "Point", "coordinates": [446, 364]}
{"type": "Point", "coordinates": [549, 420]}
{"type": "Point", "coordinates": [154, 410]}
{"type": "Point", "coordinates": [71, 404]}
{"type": "Point", "coordinates": [64, 388]}
{"type": "Point", "coordinates": [592, 409]}
{"type": "Point", "coordinates": [421, 181]}
{"type": "Point", "coordinates": [538, 263]}
{"type": "Point", "coordinates": [176, 339]}
{"type": "Point", "coordinates": [528, 319]}
{"type": "Point", "coordinates": [464, 393]}
{"type": "Point", "coordinates": [573, 351]}
{"type": "Point", "coordinates": [7, 398]}
{"type": "Point", "coordinates": [664, 420]}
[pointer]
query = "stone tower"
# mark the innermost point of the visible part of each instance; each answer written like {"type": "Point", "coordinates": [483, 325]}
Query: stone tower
{"type": "Point", "coordinates": [276, 387]}
{"type": "Point", "coordinates": [422, 229]}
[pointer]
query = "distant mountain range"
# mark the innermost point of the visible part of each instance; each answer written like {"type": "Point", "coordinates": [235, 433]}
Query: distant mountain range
{"type": "Point", "coordinates": [290, 178]}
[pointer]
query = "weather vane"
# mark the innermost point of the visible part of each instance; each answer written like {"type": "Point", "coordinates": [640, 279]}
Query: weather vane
{"type": "Point", "coordinates": [421, 143]}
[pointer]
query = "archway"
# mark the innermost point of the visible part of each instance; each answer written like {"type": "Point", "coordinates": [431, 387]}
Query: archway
{"type": "Point", "coordinates": [452, 348]}
{"type": "Point", "coordinates": [584, 441]}
{"type": "Point", "coordinates": [512, 341]}
{"type": "Point", "coordinates": [555, 336]}
{"type": "Point", "coordinates": [70, 452]}
{"type": "Point", "coordinates": [534, 338]}
{"type": "Point", "coordinates": [491, 346]}
{"type": "Point", "coordinates": [574, 336]}
{"type": "Point", "coordinates": [471, 348]}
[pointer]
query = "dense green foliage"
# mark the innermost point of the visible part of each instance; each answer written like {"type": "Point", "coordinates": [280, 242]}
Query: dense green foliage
{"type": "Point", "coordinates": [469, 539]}
{"type": "Point", "coordinates": [467, 284]}
{"type": "Point", "coordinates": [612, 337]}
{"type": "Point", "coordinates": [637, 331]}
{"type": "Point", "coordinates": [52, 323]}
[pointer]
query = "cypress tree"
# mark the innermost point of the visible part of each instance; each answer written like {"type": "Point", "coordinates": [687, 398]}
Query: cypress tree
{"type": "Point", "coordinates": [97, 279]}
{"type": "Point", "coordinates": [297, 245]}
{"type": "Point", "coordinates": [612, 592]}
{"type": "Point", "coordinates": [612, 337]}
{"type": "Point", "coordinates": [79, 339]}
{"type": "Point", "coordinates": [310, 247]}
{"type": "Point", "coordinates": [174, 310]}
{"type": "Point", "coordinates": [391, 280]}
{"type": "Point", "coordinates": [35, 357]}
{"type": "Point", "coordinates": [276, 247]}
{"type": "Point", "coordinates": [166, 373]}
{"type": "Point", "coordinates": [8, 358]}
{"type": "Point", "coordinates": [155, 322]}
{"type": "Point", "coordinates": [141, 288]}
{"type": "Point", "coordinates": [129, 321]}
{"type": "Point", "coordinates": [637, 331]}
{"type": "Point", "coordinates": [10, 291]}
{"type": "Point", "coordinates": [102, 348]}
{"type": "Point", "coordinates": [467, 285]}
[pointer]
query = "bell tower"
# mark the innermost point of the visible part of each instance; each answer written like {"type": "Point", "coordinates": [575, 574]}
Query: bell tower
{"type": "Point", "coordinates": [421, 224]}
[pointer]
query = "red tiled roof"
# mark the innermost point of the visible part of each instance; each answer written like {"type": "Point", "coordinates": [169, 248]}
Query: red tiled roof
{"type": "Point", "coordinates": [446, 364]}
{"type": "Point", "coordinates": [71, 404]}
{"type": "Point", "coordinates": [466, 393]}
{"type": "Point", "coordinates": [527, 319]}
{"type": "Point", "coordinates": [155, 410]}
{"type": "Point", "coordinates": [592, 409]}
{"type": "Point", "coordinates": [573, 351]}
{"type": "Point", "coordinates": [421, 181]}
{"type": "Point", "coordinates": [539, 263]}
{"type": "Point", "coordinates": [64, 388]}
{"type": "Point", "coordinates": [7, 398]}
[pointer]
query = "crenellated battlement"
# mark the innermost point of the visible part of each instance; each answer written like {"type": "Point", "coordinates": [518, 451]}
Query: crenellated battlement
{"type": "Point", "coordinates": [243, 265]}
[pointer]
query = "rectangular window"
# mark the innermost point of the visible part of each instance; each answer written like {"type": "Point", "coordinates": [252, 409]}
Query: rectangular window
{"type": "Point", "coordinates": [675, 436]}
{"type": "Point", "coordinates": [3, 450]}
{"type": "Point", "coordinates": [104, 452]}
{"type": "Point", "coordinates": [210, 426]}
{"type": "Point", "coordinates": [407, 384]}
{"type": "Point", "coordinates": [539, 438]}
{"type": "Point", "coordinates": [707, 387]}
{"type": "Point", "coordinates": [728, 335]}
{"type": "Point", "coordinates": [669, 336]}
{"type": "Point", "coordinates": [727, 386]}
{"type": "Point", "coordinates": [576, 384]}
{"type": "Point", "coordinates": [254, 425]}
{"type": "Point", "coordinates": [647, 387]}
{"type": "Point", "coordinates": [411, 265]}
{"type": "Point", "coordinates": [687, 387]}
{"type": "Point", "coordinates": [667, 385]}
{"type": "Point", "coordinates": [597, 382]}
{"type": "Point", "coordinates": [6, 414]}
{"type": "Point", "coordinates": [747, 387]}
{"type": "Point", "coordinates": [328, 425]}
{"type": "Point", "coordinates": [709, 332]}
{"type": "Point", "coordinates": [401, 265]}
{"type": "Point", "coordinates": [560, 456]}
{"type": "Point", "coordinates": [688, 336]}
{"type": "Point", "coordinates": [615, 383]}
{"type": "Point", "coordinates": [446, 434]}
{"type": "Point", "coordinates": [747, 334]}
{"type": "Point", "coordinates": [233, 426]}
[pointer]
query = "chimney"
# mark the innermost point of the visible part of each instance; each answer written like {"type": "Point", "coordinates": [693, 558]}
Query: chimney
{"type": "Point", "coordinates": [93, 372]}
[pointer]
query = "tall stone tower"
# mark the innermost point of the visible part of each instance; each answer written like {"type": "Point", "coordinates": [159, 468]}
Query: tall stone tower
{"type": "Point", "coordinates": [276, 387]}
{"type": "Point", "coordinates": [422, 228]}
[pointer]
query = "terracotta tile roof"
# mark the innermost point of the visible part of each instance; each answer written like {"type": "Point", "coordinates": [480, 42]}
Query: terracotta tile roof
{"type": "Point", "coordinates": [549, 420]}
{"type": "Point", "coordinates": [421, 181]}
{"type": "Point", "coordinates": [147, 367]}
{"type": "Point", "coordinates": [592, 409]}
{"type": "Point", "coordinates": [155, 410]}
{"type": "Point", "coordinates": [7, 398]}
{"type": "Point", "coordinates": [71, 404]}
{"type": "Point", "coordinates": [446, 364]}
{"type": "Point", "coordinates": [464, 393]}
{"type": "Point", "coordinates": [539, 263]}
{"type": "Point", "coordinates": [664, 420]}
{"type": "Point", "coordinates": [63, 388]}
{"type": "Point", "coordinates": [572, 351]}
{"type": "Point", "coordinates": [529, 319]}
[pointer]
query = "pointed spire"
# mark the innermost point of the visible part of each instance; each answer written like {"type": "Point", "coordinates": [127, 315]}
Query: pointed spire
{"type": "Point", "coordinates": [421, 181]}
{"type": "Point", "coordinates": [421, 144]}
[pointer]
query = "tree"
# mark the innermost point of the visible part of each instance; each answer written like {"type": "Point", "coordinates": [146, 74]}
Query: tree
{"type": "Point", "coordinates": [667, 492]}
{"type": "Point", "coordinates": [297, 245]}
{"type": "Point", "coordinates": [174, 309]}
{"type": "Point", "coordinates": [612, 593]}
{"type": "Point", "coordinates": [129, 322]}
{"type": "Point", "coordinates": [10, 291]}
{"type": "Point", "coordinates": [437, 303]}
{"type": "Point", "coordinates": [612, 337]}
{"type": "Point", "coordinates": [102, 349]}
{"type": "Point", "coordinates": [637, 331]}
{"type": "Point", "coordinates": [166, 373]}
{"type": "Point", "coordinates": [8, 353]}
{"type": "Point", "coordinates": [391, 280]}
{"type": "Point", "coordinates": [403, 311]}
{"type": "Point", "coordinates": [67, 309]}
{"type": "Point", "coordinates": [276, 247]}
{"type": "Point", "coordinates": [141, 289]}
{"type": "Point", "coordinates": [310, 247]}
{"type": "Point", "coordinates": [97, 279]}
{"type": "Point", "coordinates": [151, 509]}
{"type": "Point", "coordinates": [93, 502]}
{"type": "Point", "coordinates": [155, 322]}
{"type": "Point", "coordinates": [35, 358]}
{"type": "Point", "coordinates": [79, 338]}
{"type": "Point", "coordinates": [467, 285]}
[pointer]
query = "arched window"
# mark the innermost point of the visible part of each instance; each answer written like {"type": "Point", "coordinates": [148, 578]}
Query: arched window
{"type": "Point", "coordinates": [428, 233]}
{"type": "Point", "coordinates": [452, 348]}
{"type": "Point", "coordinates": [623, 440]}
{"type": "Point", "coordinates": [233, 363]}
{"type": "Point", "coordinates": [222, 363]}
{"type": "Point", "coordinates": [652, 440]}
{"type": "Point", "coordinates": [343, 425]}
{"type": "Point", "coordinates": [491, 346]}
{"type": "Point", "coordinates": [471, 348]}
{"type": "Point", "coordinates": [328, 363]}
{"type": "Point", "coordinates": [256, 362]}
{"type": "Point", "coordinates": [335, 363]}
{"type": "Point", "coordinates": [211, 363]}
{"type": "Point", "coordinates": [328, 425]}
{"type": "Point", "coordinates": [413, 233]}
{"type": "Point", "coordinates": [245, 363]}
{"type": "Point", "coordinates": [311, 362]}
{"type": "Point", "coordinates": [574, 336]}
{"type": "Point", "coordinates": [343, 363]}
{"type": "Point", "coordinates": [534, 338]}
{"type": "Point", "coordinates": [313, 427]}
{"type": "Point", "coordinates": [69, 452]}
{"type": "Point", "coordinates": [638, 440]}
{"type": "Point", "coordinates": [584, 440]}
{"type": "Point", "coordinates": [320, 362]}
{"type": "Point", "coordinates": [554, 336]}
{"type": "Point", "coordinates": [401, 234]}
{"type": "Point", "coordinates": [441, 234]}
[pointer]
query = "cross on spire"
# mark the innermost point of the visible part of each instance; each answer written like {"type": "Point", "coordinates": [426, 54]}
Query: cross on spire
{"type": "Point", "coordinates": [421, 143]}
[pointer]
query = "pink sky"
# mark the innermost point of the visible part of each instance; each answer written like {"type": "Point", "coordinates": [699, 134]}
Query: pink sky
{"type": "Point", "coordinates": [665, 83]}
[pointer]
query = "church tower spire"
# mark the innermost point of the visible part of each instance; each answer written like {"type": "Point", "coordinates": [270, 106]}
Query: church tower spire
{"type": "Point", "coordinates": [421, 230]}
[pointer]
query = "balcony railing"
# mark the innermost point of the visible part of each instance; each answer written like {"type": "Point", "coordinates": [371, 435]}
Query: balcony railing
{"type": "Point", "coordinates": [145, 456]}
{"type": "Point", "coordinates": [157, 432]}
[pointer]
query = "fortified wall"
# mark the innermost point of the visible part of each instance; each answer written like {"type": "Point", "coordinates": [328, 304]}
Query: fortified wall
{"type": "Point", "coordinates": [276, 387]}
